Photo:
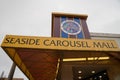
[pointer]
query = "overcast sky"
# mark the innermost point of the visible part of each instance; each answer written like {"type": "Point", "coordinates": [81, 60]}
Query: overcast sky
{"type": "Point", "coordinates": [33, 17]}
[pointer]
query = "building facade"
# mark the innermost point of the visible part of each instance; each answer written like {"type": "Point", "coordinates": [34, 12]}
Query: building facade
{"type": "Point", "coordinates": [71, 53]}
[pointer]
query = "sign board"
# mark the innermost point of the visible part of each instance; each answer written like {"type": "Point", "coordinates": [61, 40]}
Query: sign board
{"type": "Point", "coordinates": [59, 43]}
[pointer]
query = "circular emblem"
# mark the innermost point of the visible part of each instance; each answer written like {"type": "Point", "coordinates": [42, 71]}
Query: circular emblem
{"type": "Point", "coordinates": [70, 27]}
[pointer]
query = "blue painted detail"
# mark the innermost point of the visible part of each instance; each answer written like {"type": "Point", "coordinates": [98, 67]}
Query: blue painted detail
{"type": "Point", "coordinates": [77, 20]}
{"type": "Point", "coordinates": [80, 35]}
{"type": "Point", "coordinates": [63, 34]}
{"type": "Point", "coordinates": [63, 18]}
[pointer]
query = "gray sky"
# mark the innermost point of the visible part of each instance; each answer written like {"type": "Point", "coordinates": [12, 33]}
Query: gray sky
{"type": "Point", "coordinates": [33, 17]}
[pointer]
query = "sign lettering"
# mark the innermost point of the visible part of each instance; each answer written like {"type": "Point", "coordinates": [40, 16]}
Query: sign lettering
{"type": "Point", "coordinates": [59, 43]}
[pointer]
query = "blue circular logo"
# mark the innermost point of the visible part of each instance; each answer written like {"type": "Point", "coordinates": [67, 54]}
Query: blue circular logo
{"type": "Point", "coordinates": [70, 27]}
